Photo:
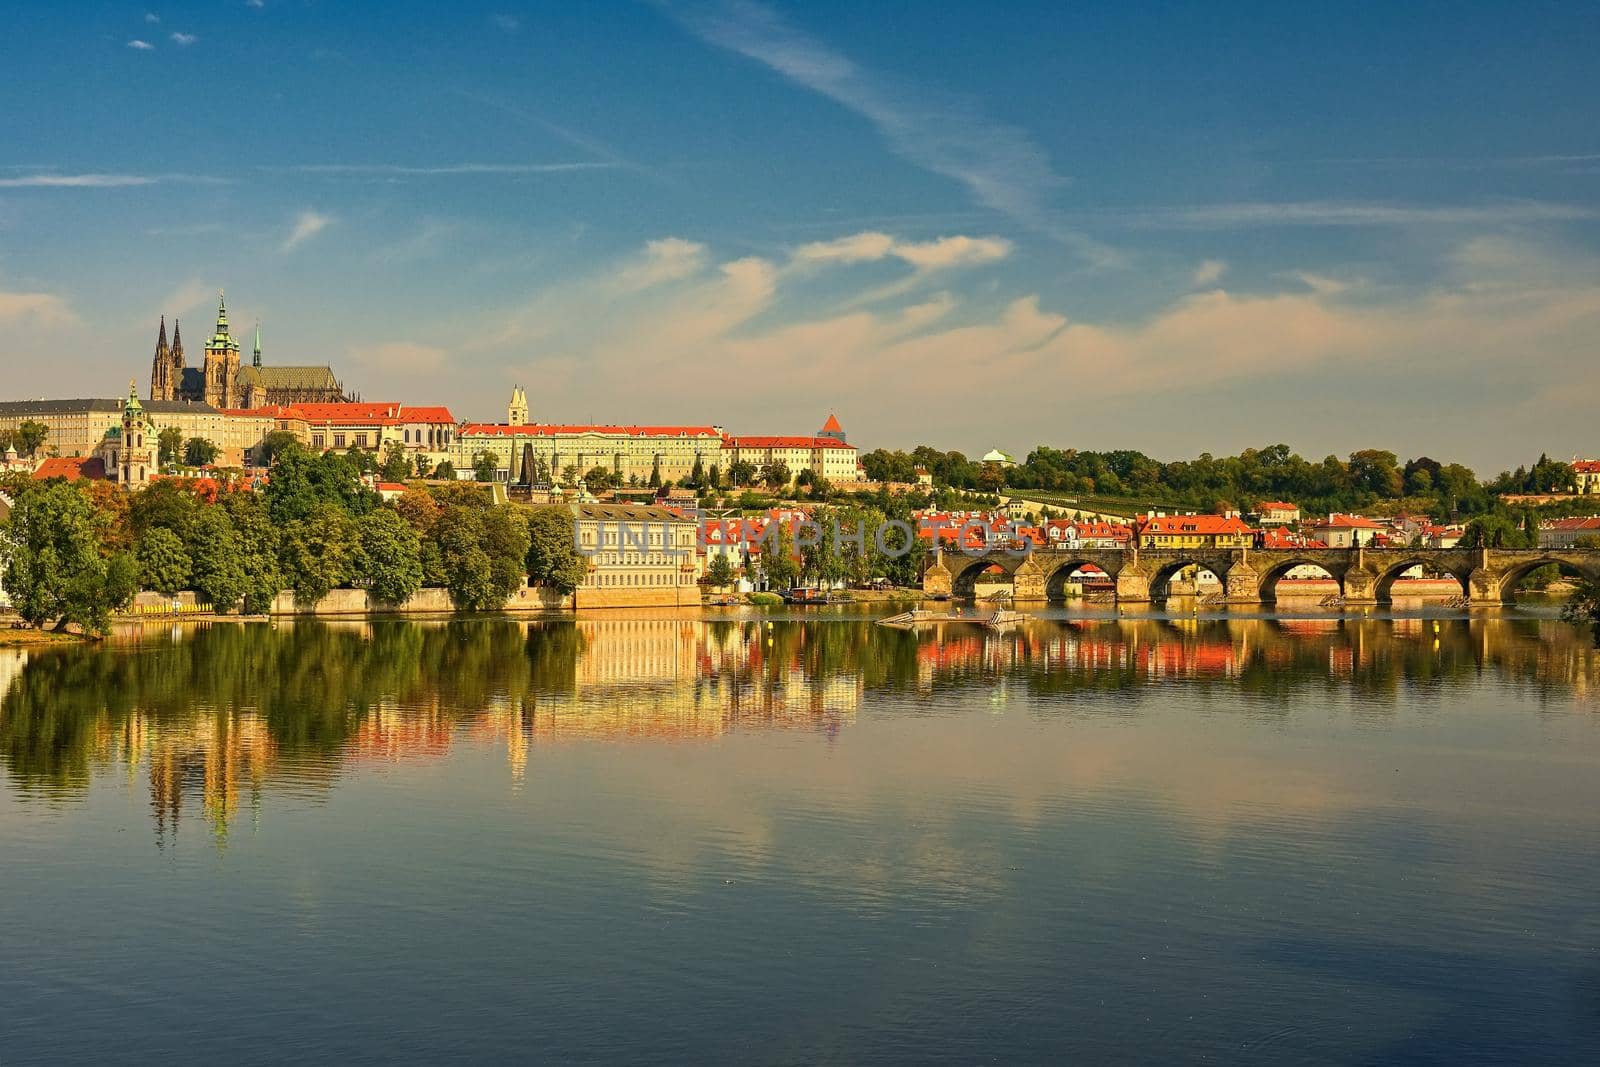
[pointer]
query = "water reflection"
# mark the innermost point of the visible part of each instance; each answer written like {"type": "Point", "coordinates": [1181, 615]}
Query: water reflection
{"type": "Point", "coordinates": [219, 713]}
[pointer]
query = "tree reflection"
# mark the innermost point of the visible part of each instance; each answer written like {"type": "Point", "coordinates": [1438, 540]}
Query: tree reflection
{"type": "Point", "coordinates": [213, 715]}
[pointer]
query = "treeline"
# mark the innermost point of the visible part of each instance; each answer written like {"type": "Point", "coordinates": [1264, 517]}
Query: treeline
{"type": "Point", "coordinates": [73, 553]}
{"type": "Point", "coordinates": [1366, 478]}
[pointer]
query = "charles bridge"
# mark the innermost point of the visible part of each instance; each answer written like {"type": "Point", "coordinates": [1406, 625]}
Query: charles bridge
{"type": "Point", "coordinates": [1488, 576]}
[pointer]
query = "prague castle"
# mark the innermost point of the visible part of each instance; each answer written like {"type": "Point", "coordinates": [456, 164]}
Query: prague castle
{"type": "Point", "coordinates": [226, 385]}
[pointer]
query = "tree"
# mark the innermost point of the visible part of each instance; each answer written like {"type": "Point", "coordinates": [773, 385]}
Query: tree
{"type": "Point", "coordinates": [421, 467]}
{"type": "Point", "coordinates": [163, 561]}
{"type": "Point", "coordinates": [30, 436]}
{"type": "Point", "coordinates": [391, 556]}
{"type": "Point", "coordinates": [198, 452]}
{"type": "Point", "coordinates": [445, 472]}
{"type": "Point", "coordinates": [553, 557]}
{"type": "Point", "coordinates": [720, 571]}
{"type": "Point", "coordinates": [258, 550]}
{"type": "Point", "coordinates": [775, 475]}
{"type": "Point", "coordinates": [655, 473]}
{"type": "Point", "coordinates": [316, 552]}
{"type": "Point", "coordinates": [169, 445]}
{"type": "Point", "coordinates": [697, 476]}
{"type": "Point", "coordinates": [484, 553]}
{"type": "Point", "coordinates": [396, 463]}
{"type": "Point", "coordinates": [599, 478]}
{"type": "Point", "coordinates": [778, 561]}
{"type": "Point", "coordinates": [55, 570]}
{"type": "Point", "coordinates": [485, 466]}
{"type": "Point", "coordinates": [272, 444]}
{"type": "Point", "coordinates": [219, 572]}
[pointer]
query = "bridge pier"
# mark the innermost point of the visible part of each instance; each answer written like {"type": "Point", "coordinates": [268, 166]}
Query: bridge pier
{"type": "Point", "coordinates": [1028, 582]}
{"type": "Point", "coordinates": [1132, 587]}
{"type": "Point", "coordinates": [937, 580]}
{"type": "Point", "coordinates": [1243, 584]}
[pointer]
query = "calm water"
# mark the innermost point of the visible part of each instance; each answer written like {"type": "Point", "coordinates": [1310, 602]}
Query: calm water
{"type": "Point", "coordinates": [667, 838]}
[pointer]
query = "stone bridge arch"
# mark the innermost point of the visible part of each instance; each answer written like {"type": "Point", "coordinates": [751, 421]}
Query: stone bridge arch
{"type": "Point", "coordinates": [1390, 571]}
{"type": "Point", "coordinates": [1270, 572]}
{"type": "Point", "coordinates": [1059, 571]}
{"type": "Point", "coordinates": [1497, 581]}
{"type": "Point", "coordinates": [965, 570]}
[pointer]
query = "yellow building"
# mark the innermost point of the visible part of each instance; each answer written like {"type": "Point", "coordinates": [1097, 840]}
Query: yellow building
{"type": "Point", "coordinates": [637, 556]}
{"type": "Point", "coordinates": [1194, 531]}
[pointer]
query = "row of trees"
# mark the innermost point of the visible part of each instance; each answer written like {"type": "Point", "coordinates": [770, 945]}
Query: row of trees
{"type": "Point", "coordinates": [1366, 478]}
{"type": "Point", "coordinates": [73, 553]}
{"type": "Point", "coordinates": [27, 438]}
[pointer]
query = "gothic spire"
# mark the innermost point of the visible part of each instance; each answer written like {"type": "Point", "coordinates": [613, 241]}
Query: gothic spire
{"type": "Point", "coordinates": [255, 356]}
{"type": "Point", "coordinates": [177, 345]}
{"type": "Point", "coordinates": [161, 339]}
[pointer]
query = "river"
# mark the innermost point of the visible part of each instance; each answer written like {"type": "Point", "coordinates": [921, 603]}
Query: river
{"type": "Point", "coordinates": [801, 837]}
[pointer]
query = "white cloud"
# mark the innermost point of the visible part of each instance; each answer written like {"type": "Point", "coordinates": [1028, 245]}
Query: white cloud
{"type": "Point", "coordinates": [306, 226]}
{"type": "Point", "coordinates": [151, 16]}
{"type": "Point", "coordinates": [141, 46]}
{"type": "Point", "coordinates": [998, 164]}
{"type": "Point", "coordinates": [192, 294]}
{"type": "Point", "coordinates": [937, 254]}
{"type": "Point", "coordinates": [183, 40]}
{"type": "Point", "coordinates": [508, 23]}
{"type": "Point", "coordinates": [39, 309]}
{"type": "Point", "coordinates": [1208, 272]}
{"type": "Point", "coordinates": [1316, 363]}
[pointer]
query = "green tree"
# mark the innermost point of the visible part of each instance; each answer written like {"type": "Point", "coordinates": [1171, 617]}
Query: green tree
{"type": "Point", "coordinates": [163, 561]}
{"type": "Point", "coordinates": [720, 571]}
{"type": "Point", "coordinates": [391, 556]}
{"type": "Point", "coordinates": [553, 557]}
{"type": "Point", "coordinates": [697, 476]}
{"type": "Point", "coordinates": [600, 478]}
{"type": "Point", "coordinates": [316, 553]}
{"type": "Point", "coordinates": [775, 475]}
{"type": "Point", "coordinates": [485, 466]}
{"type": "Point", "coordinates": [30, 437]}
{"type": "Point", "coordinates": [169, 445]}
{"type": "Point", "coordinates": [396, 463]}
{"type": "Point", "coordinates": [445, 472]}
{"type": "Point", "coordinates": [258, 549]}
{"type": "Point", "coordinates": [218, 559]}
{"type": "Point", "coordinates": [274, 443]}
{"type": "Point", "coordinates": [778, 562]}
{"type": "Point", "coordinates": [55, 569]}
{"type": "Point", "coordinates": [198, 452]}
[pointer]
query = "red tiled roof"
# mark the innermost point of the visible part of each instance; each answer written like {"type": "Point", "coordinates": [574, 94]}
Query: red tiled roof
{"type": "Point", "coordinates": [832, 425]}
{"type": "Point", "coordinates": [1277, 505]}
{"type": "Point", "coordinates": [1587, 522]}
{"type": "Point", "coordinates": [373, 414]}
{"type": "Point", "coordinates": [785, 442]}
{"type": "Point", "coordinates": [1586, 466]}
{"type": "Point", "coordinates": [72, 468]}
{"type": "Point", "coordinates": [498, 429]}
{"type": "Point", "coordinates": [1194, 524]}
{"type": "Point", "coordinates": [1347, 522]}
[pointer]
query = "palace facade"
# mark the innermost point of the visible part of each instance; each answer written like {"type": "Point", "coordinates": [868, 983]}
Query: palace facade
{"type": "Point", "coordinates": [533, 453]}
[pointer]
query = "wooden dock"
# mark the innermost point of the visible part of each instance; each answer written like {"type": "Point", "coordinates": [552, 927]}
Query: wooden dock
{"type": "Point", "coordinates": [996, 620]}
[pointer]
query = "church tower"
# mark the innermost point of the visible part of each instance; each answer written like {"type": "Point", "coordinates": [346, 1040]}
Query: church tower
{"type": "Point", "coordinates": [517, 413]}
{"type": "Point", "coordinates": [161, 383]}
{"type": "Point", "coordinates": [255, 355]}
{"type": "Point", "coordinates": [177, 362]}
{"type": "Point", "coordinates": [222, 362]}
{"type": "Point", "coordinates": [135, 459]}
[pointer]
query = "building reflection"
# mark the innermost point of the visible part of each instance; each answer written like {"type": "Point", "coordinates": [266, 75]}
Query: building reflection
{"type": "Point", "coordinates": [211, 719]}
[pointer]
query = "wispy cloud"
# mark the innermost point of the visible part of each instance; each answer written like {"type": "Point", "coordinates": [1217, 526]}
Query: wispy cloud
{"type": "Point", "coordinates": [938, 254]}
{"type": "Point", "coordinates": [399, 357]}
{"type": "Point", "coordinates": [447, 169]}
{"type": "Point", "coordinates": [98, 180]}
{"type": "Point", "coordinates": [76, 181]}
{"type": "Point", "coordinates": [42, 309]}
{"type": "Point", "coordinates": [184, 40]}
{"type": "Point", "coordinates": [999, 164]}
{"type": "Point", "coordinates": [306, 226]}
{"type": "Point", "coordinates": [151, 16]}
{"type": "Point", "coordinates": [508, 23]}
{"type": "Point", "coordinates": [1208, 273]}
{"type": "Point", "coordinates": [1337, 213]}
{"type": "Point", "coordinates": [141, 46]}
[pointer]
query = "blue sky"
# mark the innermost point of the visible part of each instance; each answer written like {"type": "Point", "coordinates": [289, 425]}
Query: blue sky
{"type": "Point", "coordinates": [1180, 228]}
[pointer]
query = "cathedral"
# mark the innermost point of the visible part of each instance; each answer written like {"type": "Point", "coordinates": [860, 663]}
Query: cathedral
{"type": "Point", "coordinates": [224, 384]}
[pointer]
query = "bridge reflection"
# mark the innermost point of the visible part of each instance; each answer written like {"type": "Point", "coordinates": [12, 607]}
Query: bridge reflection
{"type": "Point", "coordinates": [209, 718]}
